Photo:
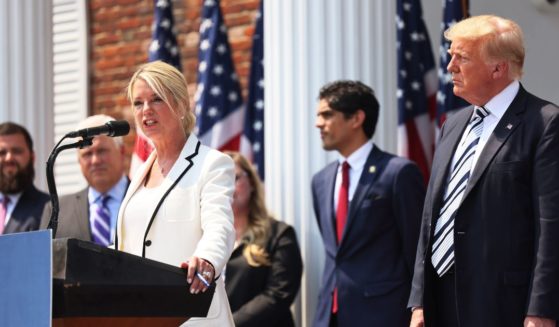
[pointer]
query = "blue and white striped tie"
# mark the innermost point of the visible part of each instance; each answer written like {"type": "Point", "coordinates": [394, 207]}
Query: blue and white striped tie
{"type": "Point", "coordinates": [443, 245]}
{"type": "Point", "coordinates": [101, 226]}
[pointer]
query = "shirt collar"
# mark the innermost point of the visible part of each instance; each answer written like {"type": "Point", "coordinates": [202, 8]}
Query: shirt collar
{"type": "Point", "coordinates": [13, 197]}
{"type": "Point", "coordinates": [499, 103]}
{"type": "Point", "coordinates": [359, 156]}
{"type": "Point", "coordinates": [116, 192]}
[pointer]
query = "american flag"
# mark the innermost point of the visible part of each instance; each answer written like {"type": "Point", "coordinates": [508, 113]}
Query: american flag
{"type": "Point", "coordinates": [417, 86]}
{"type": "Point", "coordinates": [163, 47]}
{"type": "Point", "coordinates": [252, 141]}
{"type": "Point", "coordinates": [219, 104]}
{"type": "Point", "coordinates": [453, 12]}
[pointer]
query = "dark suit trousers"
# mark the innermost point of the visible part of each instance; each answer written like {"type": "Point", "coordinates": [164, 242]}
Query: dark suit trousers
{"type": "Point", "coordinates": [444, 290]}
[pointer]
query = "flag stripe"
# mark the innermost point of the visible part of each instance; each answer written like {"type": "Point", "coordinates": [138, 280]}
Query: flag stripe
{"type": "Point", "coordinates": [219, 104]}
{"type": "Point", "coordinates": [416, 86]}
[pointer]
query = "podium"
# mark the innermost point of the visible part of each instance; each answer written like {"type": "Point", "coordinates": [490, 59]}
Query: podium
{"type": "Point", "coordinates": [101, 286]}
{"type": "Point", "coordinates": [90, 286]}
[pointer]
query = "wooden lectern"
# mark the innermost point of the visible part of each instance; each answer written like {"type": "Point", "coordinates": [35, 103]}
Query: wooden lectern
{"type": "Point", "coordinates": [98, 286]}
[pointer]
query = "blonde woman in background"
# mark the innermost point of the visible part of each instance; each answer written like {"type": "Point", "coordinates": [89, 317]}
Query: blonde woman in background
{"type": "Point", "coordinates": [264, 273]}
{"type": "Point", "coordinates": [177, 209]}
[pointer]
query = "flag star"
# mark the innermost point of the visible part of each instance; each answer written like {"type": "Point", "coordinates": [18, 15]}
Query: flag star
{"type": "Point", "coordinates": [209, 3]}
{"type": "Point", "coordinates": [174, 51]}
{"type": "Point", "coordinates": [162, 4]}
{"type": "Point", "coordinates": [206, 23]}
{"type": "Point", "coordinates": [213, 111]}
{"type": "Point", "coordinates": [221, 49]}
{"type": "Point", "coordinates": [261, 83]}
{"type": "Point", "coordinates": [407, 6]}
{"type": "Point", "coordinates": [409, 105]}
{"type": "Point", "coordinates": [205, 44]}
{"type": "Point", "coordinates": [168, 44]}
{"type": "Point", "coordinates": [233, 96]}
{"type": "Point", "coordinates": [259, 104]}
{"type": "Point", "coordinates": [153, 26]}
{"type": "Point", "coordinates": [257, 125]}
{"type": "Point", "coordinates": [441, 97]}
{"type": "Point", "coordinates": [198, 109]}
{"type": "Point", "coordinates": [403, 73]}
{"type": "Point", "coordinates": [408, 55]}
{"type": "Point", "coordinates": [440, 73]}
{"type": "Point", "coordinates": [234, 76]}
{"type": "Point", "coordinates": [215, 91]}
{"type": "Point", "coordinates": [400, 23]}
{"type": "Point", "coordinates": [256, 147]}
{"type": "Point", "coordinates": [165, 23]}
{"type": "Point", "coordinates": [202, 67]}
{"type": "Point", "coordinates": [415, 85]}
{"type": "Point", "coordinates": [415, 36]}
{"type": "Point", "coordinates": [218, 70]}
{"type": "Point", "coordinates": [223, 28]}
{"type": "Point", "coordinates": [154, 46]}
{"type": "Point", "coordinates": [399, 93]}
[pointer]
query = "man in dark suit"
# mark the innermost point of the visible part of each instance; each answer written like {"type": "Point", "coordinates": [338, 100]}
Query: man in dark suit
{"type": "Point", "coordinates": [21, 203]}
{"type": "Point", "coordinates": [368, 208]}
{"type": "Point", "coordinates": [91, 213]}
{"type": "Point", "coordinates": [488, 254]}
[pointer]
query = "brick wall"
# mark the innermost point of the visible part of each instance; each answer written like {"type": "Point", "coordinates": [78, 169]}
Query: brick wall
{"type": "Point", "coordinates": [120, 33]}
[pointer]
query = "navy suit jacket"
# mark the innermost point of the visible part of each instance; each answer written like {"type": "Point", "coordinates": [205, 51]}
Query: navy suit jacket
{"type": "Point", "coordinates": [27, 213]}
{"type": "Point", "coordinates": [506, 230]}
{"type": "Point", "coordinates": [373, 264]}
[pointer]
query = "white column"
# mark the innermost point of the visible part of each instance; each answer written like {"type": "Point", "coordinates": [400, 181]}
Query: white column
{"type": "Point", "coordinates": [309, 43]}
{"type": "Point", "coordinates": [26, 73]}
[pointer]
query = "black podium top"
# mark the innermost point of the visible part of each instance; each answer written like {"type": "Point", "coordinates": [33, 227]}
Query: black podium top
{"type": "Point", "coordinates": [94, 281]}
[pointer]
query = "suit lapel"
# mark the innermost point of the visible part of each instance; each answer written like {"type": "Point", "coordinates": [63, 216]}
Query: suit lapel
{"type": "Point", "coordinates": [508, 123]}
{"type": "Point", "coordinates": [81, 214]}
{"type": "Point", "coordinates": [446, 148]}
{"type": "Point", "coordinates": [180, 168]}
{"type": "Point", "coordinates": [327, 200]}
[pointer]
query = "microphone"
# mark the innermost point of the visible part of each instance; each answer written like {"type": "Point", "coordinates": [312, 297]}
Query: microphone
{"type": "Point", "coordinates": [112, 128]}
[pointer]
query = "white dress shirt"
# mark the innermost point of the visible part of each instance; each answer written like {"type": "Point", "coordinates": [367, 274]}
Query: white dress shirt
{"type": "Point", "coordinates": [496, 108]}
{"type": "Point", "coordinates": [116, 193]}
{"type": "Point", "coordinates": [356, 162]}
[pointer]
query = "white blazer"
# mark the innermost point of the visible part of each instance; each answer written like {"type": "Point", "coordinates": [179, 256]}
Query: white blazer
{"type": "Point", "coordinates": [194, 218]}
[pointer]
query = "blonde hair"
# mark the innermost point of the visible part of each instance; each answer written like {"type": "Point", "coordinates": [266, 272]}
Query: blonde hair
{"type": "Point", "coordinates": [502, 39]}
{"type": "Point", "coordinates": [170, 85]}
{"type": "Point", "coordinates": [258, 229]}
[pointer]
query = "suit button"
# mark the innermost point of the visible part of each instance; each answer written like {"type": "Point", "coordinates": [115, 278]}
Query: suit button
{"type": "Point", "coordinates": [147, 243]}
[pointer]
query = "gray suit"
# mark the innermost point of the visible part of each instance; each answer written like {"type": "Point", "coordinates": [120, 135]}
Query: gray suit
{"type": "Point", "coordinates": [73, 218]}
{"type": "Point", "coordinates": [25, 216]}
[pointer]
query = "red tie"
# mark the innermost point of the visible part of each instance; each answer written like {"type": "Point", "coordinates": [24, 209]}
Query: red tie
{"type": "Point", "coordinates": [341, 218]}
{"type": "Point", "coordinates": [343, 195]}
{"type": "Point", "coordinates": [3, 212]}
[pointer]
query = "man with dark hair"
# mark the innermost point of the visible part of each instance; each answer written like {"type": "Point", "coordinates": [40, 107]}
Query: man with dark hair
{"type": "Point", "coordinates": [21, 204]}
{"type": "Point", "coordinates": [368, 208]}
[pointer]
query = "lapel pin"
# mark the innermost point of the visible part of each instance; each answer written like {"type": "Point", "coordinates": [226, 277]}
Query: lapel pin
{"type": "Point", "coordinates": [509, 126]}
{"type": "Point", "coordinates": [372, 169]}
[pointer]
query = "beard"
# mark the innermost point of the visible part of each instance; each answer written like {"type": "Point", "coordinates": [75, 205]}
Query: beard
{"type": "Point", "coordinates": [15, 183]}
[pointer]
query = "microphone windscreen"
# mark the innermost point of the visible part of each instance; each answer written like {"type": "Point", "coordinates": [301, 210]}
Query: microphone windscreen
{"type": "Point", "coordinates": [119, 127]}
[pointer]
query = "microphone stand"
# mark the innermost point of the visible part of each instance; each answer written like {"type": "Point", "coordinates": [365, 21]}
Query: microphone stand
{"type": "Point", "coordinates": [86, 141]}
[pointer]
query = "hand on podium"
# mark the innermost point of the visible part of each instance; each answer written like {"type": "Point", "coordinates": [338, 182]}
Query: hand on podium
{"type": "Point", "coordinates": [199, 274]}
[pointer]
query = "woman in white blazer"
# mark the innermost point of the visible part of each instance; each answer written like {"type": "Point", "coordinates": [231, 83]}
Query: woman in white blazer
{"type": "Point", "coordinates": [177, 209]}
